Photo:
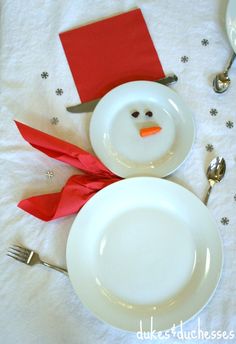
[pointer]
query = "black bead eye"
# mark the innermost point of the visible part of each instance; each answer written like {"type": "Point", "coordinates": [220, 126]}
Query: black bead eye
{"type": "Point", "coordinates": [149, 113]}
{"type": "Point", "coordinates": [135, 114]}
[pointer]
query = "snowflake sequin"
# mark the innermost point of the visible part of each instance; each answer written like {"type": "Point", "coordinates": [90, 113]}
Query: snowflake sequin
{"type": "Point", "coordinates": [50, 174]}
{"type": "Point", "coordinates": [44, 75]}
{"type": "Point", "coordinates": [229, 124]}
{"type": "Point", "coordinates": [59, 91]}
{"type": "Point", "coordinates": [204, 42]}
{"type": "Point", "coordinates": [224, 221]}
{"type": "Point", "coordinates": [209, 147]}
{"type": "Point", "coordinates": [213, 112]}
{"type": "Point", "coordinates": [54, 120]}
{"type": "Point", "coordinates": [184, 59]}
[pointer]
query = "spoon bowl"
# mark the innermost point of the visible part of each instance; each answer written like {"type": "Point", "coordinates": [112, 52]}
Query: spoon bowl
{"type": "Point", "coordinates": [215, 173]}
{"type": "Point", "coordinates": [221, 82]}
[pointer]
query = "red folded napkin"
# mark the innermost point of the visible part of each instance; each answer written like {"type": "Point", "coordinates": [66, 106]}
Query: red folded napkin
{"type": "Point", "coordinates": [78, 189]}
{"type": "Point", "coordinates": [110, 52]}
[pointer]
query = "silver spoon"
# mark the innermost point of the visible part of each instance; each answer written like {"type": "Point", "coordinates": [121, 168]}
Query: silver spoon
{"type": "Point", "coordinates": [215, 173]}
{"type": "Point", "coordinates": [222, 81]}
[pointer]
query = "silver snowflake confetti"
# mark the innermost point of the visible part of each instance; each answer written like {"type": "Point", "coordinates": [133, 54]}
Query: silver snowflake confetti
{"type": "Point", "coordinates": [224, 221]}
{"type": "Point", "coordinates": [59, 91]}
{"type": "Point", "coordinates": [54, 120]}
{"type": "Point", "coordinates": [44, 75]}
{"type": "Point", "coordinates": [184, 59]}
{"type": "Point", "coordinates": [213, 112]}
{"type": "Point", "coordinates": [50, 174]}
{"type": "Point", "coordinates": [229, 124]}
{"type": "Point", "coordinates": [204, 42]}
{"type": "Point", "coordinates": [209, 147]}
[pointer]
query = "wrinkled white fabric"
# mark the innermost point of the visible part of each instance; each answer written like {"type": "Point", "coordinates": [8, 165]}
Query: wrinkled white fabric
{"type": "Point", "coordinates": [38, 305]}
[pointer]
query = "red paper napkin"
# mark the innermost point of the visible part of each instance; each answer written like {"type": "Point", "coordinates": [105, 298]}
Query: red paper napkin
{"type": "Point", "coordinates": [78, 189]}
{"type": "Point", "coordinates": [110, 52]}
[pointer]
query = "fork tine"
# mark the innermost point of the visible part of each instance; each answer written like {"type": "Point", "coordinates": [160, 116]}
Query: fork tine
{"type": "Point", "coordinates": [15, 250]}
{"type": "Point", "coordinates": [22, 248]}
{"type": "Point", "coordinates": [16, 257]}
{"type": "Point", "coordinates": [18, 254]}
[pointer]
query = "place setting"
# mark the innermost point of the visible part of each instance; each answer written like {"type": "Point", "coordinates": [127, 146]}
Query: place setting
{"type": "Point", "coordinates": [141, 246]}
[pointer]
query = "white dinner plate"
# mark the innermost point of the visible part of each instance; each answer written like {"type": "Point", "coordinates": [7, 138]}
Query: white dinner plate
{"type": "Point", "coordinates": [231, 22]}
{"type": "Point", "coordinates": [144, 247]}
{"type": "Point", "coordinates": [115, 133]}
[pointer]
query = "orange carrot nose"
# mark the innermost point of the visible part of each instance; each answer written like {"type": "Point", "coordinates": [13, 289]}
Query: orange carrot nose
{"type": "Point", "coordinates": [149, 131]}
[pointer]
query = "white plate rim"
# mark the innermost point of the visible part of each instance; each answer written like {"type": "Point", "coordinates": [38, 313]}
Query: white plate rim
{"type": "Point", "coordinates": [231, 15]}
{"type": "Point", "coordinates": [70, 258]}
{"type": "Point", "coordinates": [115, 167]}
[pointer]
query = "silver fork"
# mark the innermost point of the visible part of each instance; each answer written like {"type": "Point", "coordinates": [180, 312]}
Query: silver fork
{"type": "Point", "coordinates": [30, 257]}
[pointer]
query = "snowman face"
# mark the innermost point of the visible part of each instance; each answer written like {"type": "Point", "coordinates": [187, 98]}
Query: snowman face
{"type": "Point", "coordinates": [141, 134]}
{"type": "Point", "coordinates": [147, 128]}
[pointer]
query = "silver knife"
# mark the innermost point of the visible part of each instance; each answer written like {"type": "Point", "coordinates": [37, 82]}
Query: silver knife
{"type": "Point", "coordinates": [89, 106]}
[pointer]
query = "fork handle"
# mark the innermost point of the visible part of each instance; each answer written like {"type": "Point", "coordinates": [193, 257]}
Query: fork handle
{"type": "Point", "coordinates": [57, 268]}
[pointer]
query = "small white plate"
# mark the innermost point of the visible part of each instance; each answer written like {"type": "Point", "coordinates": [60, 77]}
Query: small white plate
{"type": "Point", "coordinates": [231, 22]}
{"type": "Point", "coordinates": [115, 136]}
{"type": "Point", "coordinates": [144, 247]}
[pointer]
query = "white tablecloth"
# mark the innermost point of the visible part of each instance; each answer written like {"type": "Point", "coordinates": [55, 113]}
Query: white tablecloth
{"type": "Point", "coordinates": [38, 305]}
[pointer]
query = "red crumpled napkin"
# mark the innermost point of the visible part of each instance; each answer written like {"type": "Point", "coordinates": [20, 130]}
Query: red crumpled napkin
{"type": "Point", "coordinates": [78, 189]}
{"type": "Point", "coordinates": [110, 52]}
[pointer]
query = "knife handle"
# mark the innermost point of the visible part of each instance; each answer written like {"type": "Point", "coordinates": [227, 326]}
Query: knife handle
{"type": "Point", "coordinates": [168, 80]}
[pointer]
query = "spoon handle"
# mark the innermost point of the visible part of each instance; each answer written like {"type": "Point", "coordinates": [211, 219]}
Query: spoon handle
{"type": "Point", "coordinates": [230, 62]}
{"type": "Point", "coordinates": [207, 195]}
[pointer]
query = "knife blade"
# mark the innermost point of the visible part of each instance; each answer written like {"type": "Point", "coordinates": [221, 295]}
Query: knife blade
{"type": "Point", "coordinates": [90, 106]}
